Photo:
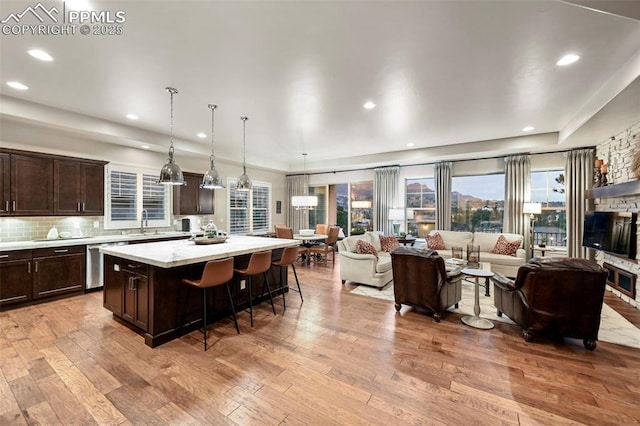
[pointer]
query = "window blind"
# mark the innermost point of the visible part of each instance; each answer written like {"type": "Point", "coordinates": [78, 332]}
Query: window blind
{"type": "Point", "coordinates": [123, 196]}
{"type": "Point", "coordinates": [153, 197]}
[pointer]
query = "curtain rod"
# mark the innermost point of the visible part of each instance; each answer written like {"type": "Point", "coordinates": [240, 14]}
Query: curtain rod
{"type": "Point", "coordinates": [436, 162]}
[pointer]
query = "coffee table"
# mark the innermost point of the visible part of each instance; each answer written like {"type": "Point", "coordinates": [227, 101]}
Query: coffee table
{"type": "Point", "coordinates": [475, 320]}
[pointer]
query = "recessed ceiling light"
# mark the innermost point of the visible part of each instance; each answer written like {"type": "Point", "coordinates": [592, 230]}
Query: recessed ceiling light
{"type": "Point", "coordinates": [568, 59]}
{"type": "Point", "coordinates": [201, 135]}
{"type": "Point", "coordinates": [145, 147]}
{"type": "Point", "coordinates": [410, 144]}
{"type": "Point", "coordinates": [132, 116]}
{"type": "Point", "coordinates": [17, 85]}
{"type": "Point", "coordinates": [528, 129]}
{"type": "Point", "coordinates": [369, 105]}
{"type": "Point", "coordinates": [40, 54]}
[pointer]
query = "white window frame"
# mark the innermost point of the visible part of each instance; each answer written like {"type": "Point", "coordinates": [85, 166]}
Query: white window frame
{"type": "Point", "coordinates": [128, 224]}
{"type": "Point", "coordinates": [231, 182]}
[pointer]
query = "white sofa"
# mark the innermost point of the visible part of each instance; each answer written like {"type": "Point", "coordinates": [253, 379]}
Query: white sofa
{"type": "Point", "coordinates": [364, 268]}
{"type": "Point", "coordinates": [503, 264]}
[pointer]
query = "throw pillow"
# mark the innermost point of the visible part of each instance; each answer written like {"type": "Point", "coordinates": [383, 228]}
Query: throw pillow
{"type": "Point", "coordinates": [435, 241]}
{"type": "Point", "coordinates": [363, 247]}
{"type": "Point", "coordinates": [388, 242]}
{"type": "Point", "coordinates": [505, 247]}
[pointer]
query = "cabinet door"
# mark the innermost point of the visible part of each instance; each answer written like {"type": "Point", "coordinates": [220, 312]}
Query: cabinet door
{"type": "Point", "coordinates": [135, 307]}
{"type": "Point", "coordinates": [206, 200]}
{"type": "Point", "coordinates": [31, 185]}
{"type": "Point", "coordinates": [92, 190]}
{"type": "Point", "coordinates": [113, 290]}
{"type": "Point", "coordinates": [185, 198]}
{"type": "Point", "coordinates": [58, 274]}
{"type": "Point", "coordinates": [67, 187]}
{"type": "Point", "coordinates": [15, 277]}
{"type": "Point", "coordinates": [5, 185]}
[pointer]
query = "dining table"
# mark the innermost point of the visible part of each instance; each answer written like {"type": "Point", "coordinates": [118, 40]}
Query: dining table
{"type": "Point", "coordinates": [307, 241]}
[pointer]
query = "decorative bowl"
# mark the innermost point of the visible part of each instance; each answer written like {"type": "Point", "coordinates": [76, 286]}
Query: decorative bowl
{"type": "Point", "coordinates": [205, 240]}
{"type": "Point", "coordinates": [307, 232]}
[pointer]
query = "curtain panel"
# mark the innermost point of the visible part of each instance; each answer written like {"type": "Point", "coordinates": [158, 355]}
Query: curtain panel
{"type": "Point", "coordinates": [443, 195]}
{"type": "Point", "coordinates": [579, 178]}
{"type": "Point", "coordinates": [517, 191]}
{"type": "Point", "coordinates": [297, 218]}
{"type": "Point", "coordinates": [385, 197]}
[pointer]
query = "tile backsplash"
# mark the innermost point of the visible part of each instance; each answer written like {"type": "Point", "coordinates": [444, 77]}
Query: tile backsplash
{"type": "Point", "coordinates": [33, 228]}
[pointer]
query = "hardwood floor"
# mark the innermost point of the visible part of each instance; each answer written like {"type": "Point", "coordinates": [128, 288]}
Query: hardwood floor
{"type": "Point", "coordinates": [337, 358]}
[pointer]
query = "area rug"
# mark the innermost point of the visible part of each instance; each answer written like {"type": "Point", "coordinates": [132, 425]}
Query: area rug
{"type": "Point", "coordinates": [614, 328]}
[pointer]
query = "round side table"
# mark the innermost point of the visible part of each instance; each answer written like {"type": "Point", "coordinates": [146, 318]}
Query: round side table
{"type": "Point", "coordinates": [475, 320]}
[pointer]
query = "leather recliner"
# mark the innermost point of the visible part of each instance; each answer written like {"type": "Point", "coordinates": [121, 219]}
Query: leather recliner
{"type": "Point", "coordinates": [420, 279]}
{"type": "Point", "coordinates": [561, 297]}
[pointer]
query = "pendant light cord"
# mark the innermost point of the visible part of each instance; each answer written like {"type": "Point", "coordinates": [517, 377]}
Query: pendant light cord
{"type": "Point", "coordinates": [213, 108]}
{"type": "Point", "coordinates": [244, 143]}
{"type": "Point", "coordinates": [172, 92]}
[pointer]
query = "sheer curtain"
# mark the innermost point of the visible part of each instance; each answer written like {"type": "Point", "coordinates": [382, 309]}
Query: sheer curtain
{"type": "Point", "coordinates": [517, 190]}
{"type": "Point", "coordinates": [297, 219]}
{"type": "Point", "coordinates": [385, 196]}
{"type": "Point", "coordinates": [578, 178]}
{"type": "Point", "coordinates": [443, 195]}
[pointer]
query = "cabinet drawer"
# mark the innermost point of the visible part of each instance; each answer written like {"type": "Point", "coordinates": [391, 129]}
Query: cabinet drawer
{"type": "Point", "coordinates": [15, 255]}
{"type": "Point", "coordinates": [57, 251]}
{"type": "Point", "coordinates": [135, 267]}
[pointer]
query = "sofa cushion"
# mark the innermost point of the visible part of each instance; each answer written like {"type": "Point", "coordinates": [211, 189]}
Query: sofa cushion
{"type": "Point", "coordinates": [374, 239]}
{"type": "Point", "coordinates": [505, 247]}
{"type": "Point", "coordinates": [501, 259]}
{"type": "Point", "coordinates": [384, 263]}
{"type": "Point", "coordinates": [351, 242]}
{"type": "Point", "coordinates": [388, 242]}
{"type": "Point", "coordinates": [435, 241]}
{"type": "Point", "coordinates": [487, 240]}
{"type": "Point", "coordinates": [363, 247]}
{"type": "Point", "coordinates": [456, 238]}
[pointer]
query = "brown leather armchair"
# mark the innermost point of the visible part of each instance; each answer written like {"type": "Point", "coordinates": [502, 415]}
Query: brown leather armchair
{"type": "Point", "coordinates": [558, 296]}
{"type": "Point", "coordinates": [420, 279]}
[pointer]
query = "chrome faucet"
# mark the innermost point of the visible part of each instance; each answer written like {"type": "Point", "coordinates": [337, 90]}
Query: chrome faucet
{"type": "Point", "coordinates": [144, 219]}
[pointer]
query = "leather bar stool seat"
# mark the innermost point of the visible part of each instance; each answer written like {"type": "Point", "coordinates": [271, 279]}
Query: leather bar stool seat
{"type": "Point", "coordinates": [259, 263]}
{"type": "Point", "coordinates": [216, 273]}
{"type": "Point", "coordinates": [288, 258]}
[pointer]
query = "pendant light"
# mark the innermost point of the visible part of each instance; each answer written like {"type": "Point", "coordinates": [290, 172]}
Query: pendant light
{"type": "Point", "coordinates": [211, 179]}
{"type": "Point", "coordinates": [304, 201]}
{"type": "Point", "coordinates": [244, 183]}
{"type": "Point", "coordinates": [171, 173]}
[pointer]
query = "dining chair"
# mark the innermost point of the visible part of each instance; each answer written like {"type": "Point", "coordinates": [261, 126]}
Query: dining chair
{"type": "Point", "coordinates": [283, 231]}
{"type": "Point", "coordinates": [322, 228]}
{"type": "Point", "coordinates": [319, 253]}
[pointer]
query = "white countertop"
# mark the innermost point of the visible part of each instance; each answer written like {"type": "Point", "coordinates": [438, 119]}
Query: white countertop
{"type": "Point", "coordinates": [168, 254]}
{"type": "Point", "coordinates": [63, 242]}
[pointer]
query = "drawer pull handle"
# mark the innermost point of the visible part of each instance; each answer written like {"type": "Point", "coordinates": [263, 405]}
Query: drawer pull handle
{"type": "Point", "coordinates": [133, 266]}
{"type": "Point", "coordinates": [14, 205]}
{"type": "Point", "coordinates": [6, 206]}
{"type": "Point", "coordinates": [62, 251]}
{"type": "Point", "coordinates": [4, 256]}
{"type": "Point", "coordinates": [29, 268]}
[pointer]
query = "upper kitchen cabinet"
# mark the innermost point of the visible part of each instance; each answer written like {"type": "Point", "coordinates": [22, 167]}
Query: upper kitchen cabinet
{"type": "Point", "coordinates": [78, 187]}
{"type": "Point", "coordinates": [191, 199]}
{"type": "Point", "coordinates": [5, 184]}
{"type": "Point", "coordinates": [31, 185]}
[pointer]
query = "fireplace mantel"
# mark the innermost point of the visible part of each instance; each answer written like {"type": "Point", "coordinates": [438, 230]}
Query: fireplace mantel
{"type": "Point", "coordinates": [624, 189]}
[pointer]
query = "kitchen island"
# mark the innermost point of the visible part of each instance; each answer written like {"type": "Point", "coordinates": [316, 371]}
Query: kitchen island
{"type": "Point", "coordinates": [142, 282]}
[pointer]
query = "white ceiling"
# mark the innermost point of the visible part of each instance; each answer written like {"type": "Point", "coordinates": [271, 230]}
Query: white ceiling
{"type": "Point", "coordinates": [440, 72]}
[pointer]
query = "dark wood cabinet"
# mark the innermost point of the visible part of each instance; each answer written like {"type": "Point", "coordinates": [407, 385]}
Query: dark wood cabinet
{"type": "Point", "coordinates": [113, 286]}
{"type": "Point", "coordinates": [58, 271]}
{"type": "Point", "coordinates": [78, 188]}
{"type": "Point", "coordinates": [135, 302]}
{"type": "Point", "coordinates": [5, 184]}
{"type": "Point", "coordinates": [15, 277]}
{"type": "Point", "coordinates": [31, 185]}
{"type": "Point", "coordinates": [191, 199]}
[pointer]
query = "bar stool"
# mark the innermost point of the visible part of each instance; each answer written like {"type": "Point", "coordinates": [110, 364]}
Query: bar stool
{"type": "Point", "coordinates": [216, 272]}
{"type": "Point", "coordinates": [259, 263]}
{"type": "Point", "coordinates": [288, 258]}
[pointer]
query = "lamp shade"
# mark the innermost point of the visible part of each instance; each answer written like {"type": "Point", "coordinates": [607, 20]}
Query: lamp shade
{"type": "Point", "coordinates": [304, 201]}
{"type": "Point", "coordinates": [532, 208]}
{"type": "Point", "coordinates": [396, 214]}
{"type": "Point", "coordinates": [361, 204]}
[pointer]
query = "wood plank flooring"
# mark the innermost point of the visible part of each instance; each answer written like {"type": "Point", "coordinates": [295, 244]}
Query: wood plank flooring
{"type": "Point", "coordinates": [337, 358]}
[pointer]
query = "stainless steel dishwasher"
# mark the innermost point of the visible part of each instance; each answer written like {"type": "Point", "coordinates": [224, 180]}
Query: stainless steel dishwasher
{"type": "Point", "coordinates": [95, 264]}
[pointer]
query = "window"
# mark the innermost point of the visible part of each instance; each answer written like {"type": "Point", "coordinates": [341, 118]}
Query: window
{"type": "Point", "coordinates": [547, 188]}
{"type": "Point", "coordinates": [361, 207]}
{"type": "Point", "coordinates": [421, 206]}
{"type": "Point", "coordinates": [131, 192]}
{"type": "Point", "coordinates": [319, 213]}
{"type": "Point", "coordinates": [249, 211]}
{"type": "Point", "coordinates": [477, 203]}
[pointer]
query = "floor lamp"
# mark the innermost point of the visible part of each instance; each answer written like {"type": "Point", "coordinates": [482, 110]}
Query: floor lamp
{"type": "Point", "coordinates": [531, 209]}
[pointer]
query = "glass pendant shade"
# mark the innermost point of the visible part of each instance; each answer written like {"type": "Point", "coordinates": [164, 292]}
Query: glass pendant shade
{"type": "Point", "coordinates": [304, 201]}
{"type": "Point", "coordinates": [211, 179]}
{"type": "Point", "coordinates": [244, 183]}
{"type": "Point", "coordinates": [170, 174]}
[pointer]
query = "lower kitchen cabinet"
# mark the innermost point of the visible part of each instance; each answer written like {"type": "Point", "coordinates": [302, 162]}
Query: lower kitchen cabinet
{"type": "Point", "coordinates": [126, 291]}
{"type": "Point", "coordinates": [58, 271]}
{"type": "Point", "coordinates": [15, 277]}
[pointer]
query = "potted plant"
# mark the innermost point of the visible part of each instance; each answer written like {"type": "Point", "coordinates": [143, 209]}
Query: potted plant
{"type": "Point", "coordinates": [543, 241]}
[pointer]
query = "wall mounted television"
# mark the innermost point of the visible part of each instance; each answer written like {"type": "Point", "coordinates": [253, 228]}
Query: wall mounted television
{"type": "Point", "coordinates": [611, 232]}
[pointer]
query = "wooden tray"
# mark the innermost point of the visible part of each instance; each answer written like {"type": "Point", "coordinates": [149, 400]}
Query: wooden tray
{"type": "Point", "coordinates": [206, 241]}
